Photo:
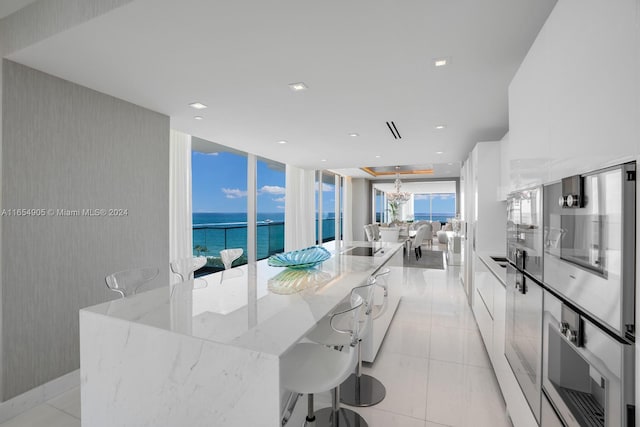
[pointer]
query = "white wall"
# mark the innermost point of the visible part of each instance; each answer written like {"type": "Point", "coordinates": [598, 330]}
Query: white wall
{"type": "Point", "coordinates": [361, 206]}
{"type": "Point", "coordinates": [574, 102]}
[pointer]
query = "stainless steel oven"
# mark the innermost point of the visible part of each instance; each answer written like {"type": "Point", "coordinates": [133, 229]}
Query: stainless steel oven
{"type": "Point", "coordinates": [523, 329]}
{"type": "Point", "coordinates": [588, 375]}
{"type": "Point", "coordinates": [589, 244]}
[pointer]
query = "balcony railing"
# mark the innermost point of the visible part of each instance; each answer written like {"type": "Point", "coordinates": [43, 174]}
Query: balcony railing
{"type": "Point", "coordinates": [210, 239]}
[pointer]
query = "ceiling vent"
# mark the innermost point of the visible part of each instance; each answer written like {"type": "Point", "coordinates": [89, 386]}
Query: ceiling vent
{"type": "Point", "coordinates": [394, 130]}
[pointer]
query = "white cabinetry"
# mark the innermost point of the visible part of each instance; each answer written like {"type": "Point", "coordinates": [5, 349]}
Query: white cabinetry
{"type": "Point", "coordinates": [485, 216]}
{"type": "Point", "coordinates": [489, 307]}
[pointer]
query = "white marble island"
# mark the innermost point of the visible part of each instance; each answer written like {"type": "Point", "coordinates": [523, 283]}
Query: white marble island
{"type": "Point", "coordinates": [203, 356]}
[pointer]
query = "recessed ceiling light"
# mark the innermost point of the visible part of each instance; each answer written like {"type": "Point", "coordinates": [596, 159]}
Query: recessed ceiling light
{"type": "Point", "coordinates": [198, 117]}
{"type": "Point", "coordinates": [441, 62]}
{"type": "Point", "coordinates": [197, 105]}
{"type": "Point", "coordinates": [377, 157]}
{"type": "Point", "coordinates": [323, 160]}
{"type": "Point", "coordinates": [450, 164]}
{"type": "Point", "coordinates": [354, 134]}
{"type": "Point", "coordinates": [297, 87]}
{"type": "Point", "coordinates": [282, 141]}
{"type": "Point", "coordinates": [439, 152]}
{"type": "Point", "coordinates": [440, 126]}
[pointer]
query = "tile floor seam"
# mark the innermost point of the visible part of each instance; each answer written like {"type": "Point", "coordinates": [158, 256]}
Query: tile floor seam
{"type": "Point", "coordinates": [61, 410]}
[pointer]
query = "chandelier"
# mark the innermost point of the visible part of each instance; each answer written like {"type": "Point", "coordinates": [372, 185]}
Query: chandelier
{"type": "Point", "coordinates": [398, 196]}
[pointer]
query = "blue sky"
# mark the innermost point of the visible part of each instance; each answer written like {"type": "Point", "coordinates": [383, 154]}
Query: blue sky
{"type": "Point", "coordinates": [442, 203]}
{"type": "Point", "coordinates": [219, 184]}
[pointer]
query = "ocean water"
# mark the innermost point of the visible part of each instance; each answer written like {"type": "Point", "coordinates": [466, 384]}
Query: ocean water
{"type": "Point", "coordinates": [215, 231]}
{"type": "Point", "coordinates": [442, 217]}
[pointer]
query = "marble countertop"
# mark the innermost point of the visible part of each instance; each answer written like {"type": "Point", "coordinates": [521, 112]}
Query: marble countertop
{"type": "Point", "coordinates": [255, 306]}
{"type": "Point", "coordinates": [499, 272]}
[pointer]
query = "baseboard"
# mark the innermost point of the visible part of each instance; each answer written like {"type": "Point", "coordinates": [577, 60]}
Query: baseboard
{"type": "Point", "coordinates": [36, 396]}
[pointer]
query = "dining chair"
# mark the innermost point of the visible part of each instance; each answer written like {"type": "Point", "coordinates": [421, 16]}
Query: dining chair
{"type": "Point", "coordinates": [186, 267]}
{"type": "Point", "coordinates": [375, 229]}
{"type": "Point", "coordinates": [423, 233]}
{"type": "Point", "coordinates": [390, 234]}
{"type": "Point", "coordinates": [127, 282]}
{"type": "Point", "coordinates": [368, 232]}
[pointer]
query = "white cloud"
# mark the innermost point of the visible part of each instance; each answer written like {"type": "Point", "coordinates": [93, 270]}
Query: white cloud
{"type": "Point", "coordinates": [446, 196]}
{"type": "Point", "coordinates": [279, 199]}
{"type": "Point", "coordinates": [420, 197]}
{"type": "Point", "coordinates": [206, 154]}
{"type": "Point", "coordinates": [271, 189]}
{"type": "Point", "coordinates": [280, 207]}
{"type": "Point", "coordinates": [234, 193]}
{"type": "Point", "coordinates": [326, 187]}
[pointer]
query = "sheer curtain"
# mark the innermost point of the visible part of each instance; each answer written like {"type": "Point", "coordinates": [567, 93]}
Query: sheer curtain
{"type": "Point", "coordinates": [180, 220]}
{"type": "Point", "coordinates": [299, 208]}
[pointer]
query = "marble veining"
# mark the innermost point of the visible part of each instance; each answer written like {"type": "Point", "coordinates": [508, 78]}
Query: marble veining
{"type": "Point", "coordinates": [239, 309]}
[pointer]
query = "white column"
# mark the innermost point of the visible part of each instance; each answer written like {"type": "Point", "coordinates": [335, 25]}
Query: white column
{"type": "Point", "coordinates": [252, 217]}
{"type": "Point", "coordinates": [347, 210]}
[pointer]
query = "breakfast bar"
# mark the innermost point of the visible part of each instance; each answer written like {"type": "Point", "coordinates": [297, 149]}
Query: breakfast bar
{"type": "Point", "coordinates": [207, 352]}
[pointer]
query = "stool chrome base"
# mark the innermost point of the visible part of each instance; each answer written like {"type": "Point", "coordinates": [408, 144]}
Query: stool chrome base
{"type": "Point", "coordinates": [346, 418]}
{"type": "Point", "coordinates": [363, 391]}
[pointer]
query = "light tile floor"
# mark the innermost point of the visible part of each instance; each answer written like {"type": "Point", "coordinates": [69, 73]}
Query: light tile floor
{"type": "Point", "coordinates": [432, 362]}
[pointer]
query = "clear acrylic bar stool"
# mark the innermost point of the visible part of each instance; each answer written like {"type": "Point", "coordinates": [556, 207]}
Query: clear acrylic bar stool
{"type": "Point", "coordinates": [128, 282]}
{"type": "Point", "coordinates": [311, 368]}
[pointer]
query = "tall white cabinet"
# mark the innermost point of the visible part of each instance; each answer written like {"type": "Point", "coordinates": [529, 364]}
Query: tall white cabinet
{"type": "Point", "coordinates": [484, 214]}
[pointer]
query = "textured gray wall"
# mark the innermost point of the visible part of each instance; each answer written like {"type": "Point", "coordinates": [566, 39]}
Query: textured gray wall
{"type": "Point", "coordinates": [68, 147]}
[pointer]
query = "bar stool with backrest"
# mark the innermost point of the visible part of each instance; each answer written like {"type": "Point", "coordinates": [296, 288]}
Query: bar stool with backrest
{"type": "Point", "coordinates": [312, 368]}
{"type": "Point", "coordinates": [361, 389]}
{"type": "Point", "coordinates": [127, 282]}
{"type": "Point", "coordinates": [229, 255]}
{"type": "Point", "coordinates": [186, 267]}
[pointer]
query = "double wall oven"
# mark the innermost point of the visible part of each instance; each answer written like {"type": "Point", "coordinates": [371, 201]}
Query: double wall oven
{"type": "Point", "coordinates": [589, 275]}
{"type": "Point", "coordinates": [570, 329]}
{"type": "Point", "coordinates": [523, 343]}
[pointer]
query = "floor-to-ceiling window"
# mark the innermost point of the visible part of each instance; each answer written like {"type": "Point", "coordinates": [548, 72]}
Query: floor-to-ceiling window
{"type": "Point", "coordinates": [434, 206]}
{"type": "Point", "coordinates": [219, 203]}
{"type": "Point", "coordinates": [328, 206]}
{"type": "Point", "coordinates": [270, 207]}
{"type": "Point", "coordinates": [379, 206]}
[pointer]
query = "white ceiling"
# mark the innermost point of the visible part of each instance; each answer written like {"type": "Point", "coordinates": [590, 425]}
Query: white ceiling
{"type": "Point", "coordinates": [419, 187]}
{"type": "Point", "coordinates": [365, 62]}
{"type": "Point", "coordinates": [7, 7]}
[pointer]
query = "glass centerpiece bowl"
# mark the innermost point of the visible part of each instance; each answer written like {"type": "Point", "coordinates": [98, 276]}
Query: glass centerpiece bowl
{"type": "Point", "coordinates": [300, 259]}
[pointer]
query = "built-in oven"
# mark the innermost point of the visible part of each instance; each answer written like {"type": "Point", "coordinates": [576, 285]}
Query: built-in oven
{"type": "Point", "coordinates": [588, 375]}
{"type": "Point", "coordinates": [589, 244]}
{"type": "Point", "coordinates": [523, 334]}
{"type": "Point", "coordinates": [523, 329]}
{"type": "Point", "coordinates": [524, 231]}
